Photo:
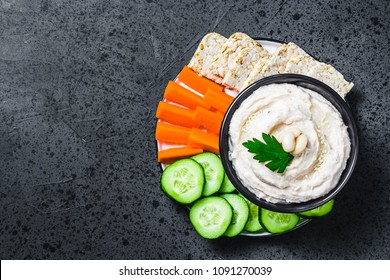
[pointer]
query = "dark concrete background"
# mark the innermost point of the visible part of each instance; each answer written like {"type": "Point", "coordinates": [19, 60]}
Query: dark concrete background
{"type": "Point", "coordinates": [79, 85]}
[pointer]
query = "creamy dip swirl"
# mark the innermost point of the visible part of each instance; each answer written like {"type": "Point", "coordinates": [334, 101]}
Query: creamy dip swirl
{"type": "Point", "coordinates": [277, 109]}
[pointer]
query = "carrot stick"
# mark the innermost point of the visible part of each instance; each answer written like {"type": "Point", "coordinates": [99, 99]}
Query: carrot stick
{"type": "Point", "coordinates": [220, 113]}
{"type": "Point", "coordinates": [204, 140]}
{"type": "Point", "coordinates": [218, 100]}
{"type": "Point", "coordinates": [176, 93]}
{"type": "Point", "coordinates": [172, 133]}
{"type": "Point", "coordinates": [208, 120]}
{"type": "Point", "coordinates": [173, 154]}
{"type": "Point", "coordinates": [216, 111]}
{"type": "Point", "coordinates": [196, 82]}
{"type": "Point", "coordinates": [175, 115]}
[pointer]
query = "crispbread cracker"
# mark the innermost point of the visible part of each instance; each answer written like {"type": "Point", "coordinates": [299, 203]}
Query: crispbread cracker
{"type": "Point", "coordinates": [239, 61]}
{"type": "Point", "coordinates": [255, 74]}
{"type": "Point", "coordinates": [209, 49]}
{"type": "Point", "coordinates": [236, 43]}
{"type": "Point", "coordinates": [329, 75]}
{"type": "Point", "coordinates": [300, 64]}
{"type": "Point", "coordinates": [278, 61]}
{"type": "Point", "coordinates": [242, 66]}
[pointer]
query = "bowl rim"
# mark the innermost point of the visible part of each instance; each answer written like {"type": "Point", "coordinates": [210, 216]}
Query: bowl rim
{"type": "Point", "coordinates": [329, 94]}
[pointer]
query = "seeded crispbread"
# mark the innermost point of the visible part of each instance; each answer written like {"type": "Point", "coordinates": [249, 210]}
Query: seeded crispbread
{"type": "Point", "coordinates": [232, 47]}
{"type": "Point", "coordinates": [278, 61]}
{"type": "Point", "coordinates": [239, 61]}
{"type": "Point", "coordinates": [300, 64]}
{"type": "Point", "coordinates": [329, 75]}
{"type": "Point", "coordinates": [255, 74]}
{"type": "Point", "coordinates": [273, 64]}
{"type": "Point", "coordinates": [242, 66]}
{"type": "Point", "coordinates": [209, 49]}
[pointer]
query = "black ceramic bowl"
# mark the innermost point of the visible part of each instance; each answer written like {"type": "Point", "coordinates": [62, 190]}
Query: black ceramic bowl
{"type": "Point", "coordinates": [305, 82]}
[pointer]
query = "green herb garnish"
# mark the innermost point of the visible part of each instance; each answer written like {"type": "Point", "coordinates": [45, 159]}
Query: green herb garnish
{"type": "Point", "coordinates": [271, 151]}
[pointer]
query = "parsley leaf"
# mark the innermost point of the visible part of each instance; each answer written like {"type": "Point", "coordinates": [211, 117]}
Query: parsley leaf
{"type": "Point", "coordinates": [270, 152]}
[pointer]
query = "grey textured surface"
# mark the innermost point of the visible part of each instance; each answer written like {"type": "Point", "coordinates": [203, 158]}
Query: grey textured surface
{"type": "Point", "coordinates": [79, 84]}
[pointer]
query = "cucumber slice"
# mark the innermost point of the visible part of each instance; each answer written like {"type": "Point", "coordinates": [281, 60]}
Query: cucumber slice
{"type": "Point", "coordinates": [183, 181]}
{"type": "Point", "coordinates": [240, 214]}
{"type": "Point", "coordinates": [275, 222]}
{"type": "Point", "coordinates": [227, 186]}
{"type": "Point", "coordinates": [253, 224]}
{"type": "Point", "coordinates": [211, 216]}
{"type": "Point", "coordinates": [213, 171]}
{"type": "Point", "coordinates": [320, 211]}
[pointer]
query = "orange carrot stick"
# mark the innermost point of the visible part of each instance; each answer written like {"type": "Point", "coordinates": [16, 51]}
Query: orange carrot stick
{"type": "Point", "coordinates": [175, 115]}
{"type": "Point", "coordinates": [218, 100]}
{"type": "Point", "coordinates": [173, 154]}
{"type": "Point", "coordinates": [196, 82]}
{"type": "Point", "coordinates": [221, 114]}
{"type": "Point", "coordinates": [208, 120]}
{"type": "Point", "coordinates": [205, 140]}
{"type": "Point", "coordinates": [172, 133]}
{"type": "Point", "coordinates": [176, 93]}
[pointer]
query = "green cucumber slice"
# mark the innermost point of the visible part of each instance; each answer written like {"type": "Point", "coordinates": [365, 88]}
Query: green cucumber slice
{"type": "Point", "coordinates": [253, 224]}
{"type": "Point", "coordinates": [183, 181]}
{"type": "Point", "coordinates": [275, 222]}
{"type": "Point", "coordinates": [211, 216]}
{"type": "Point", "coordinates": [240, 214]}
{"type": "Point", "coordinates": [213, 170]}
{"type": "Point", "coordinates": [227, 186]}
{"type": "Point", "coordinates": [320, 211]}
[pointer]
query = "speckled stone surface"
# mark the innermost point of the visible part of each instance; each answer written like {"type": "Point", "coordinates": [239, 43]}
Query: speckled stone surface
{"type": "Point", "coordinates": [79, 85]}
